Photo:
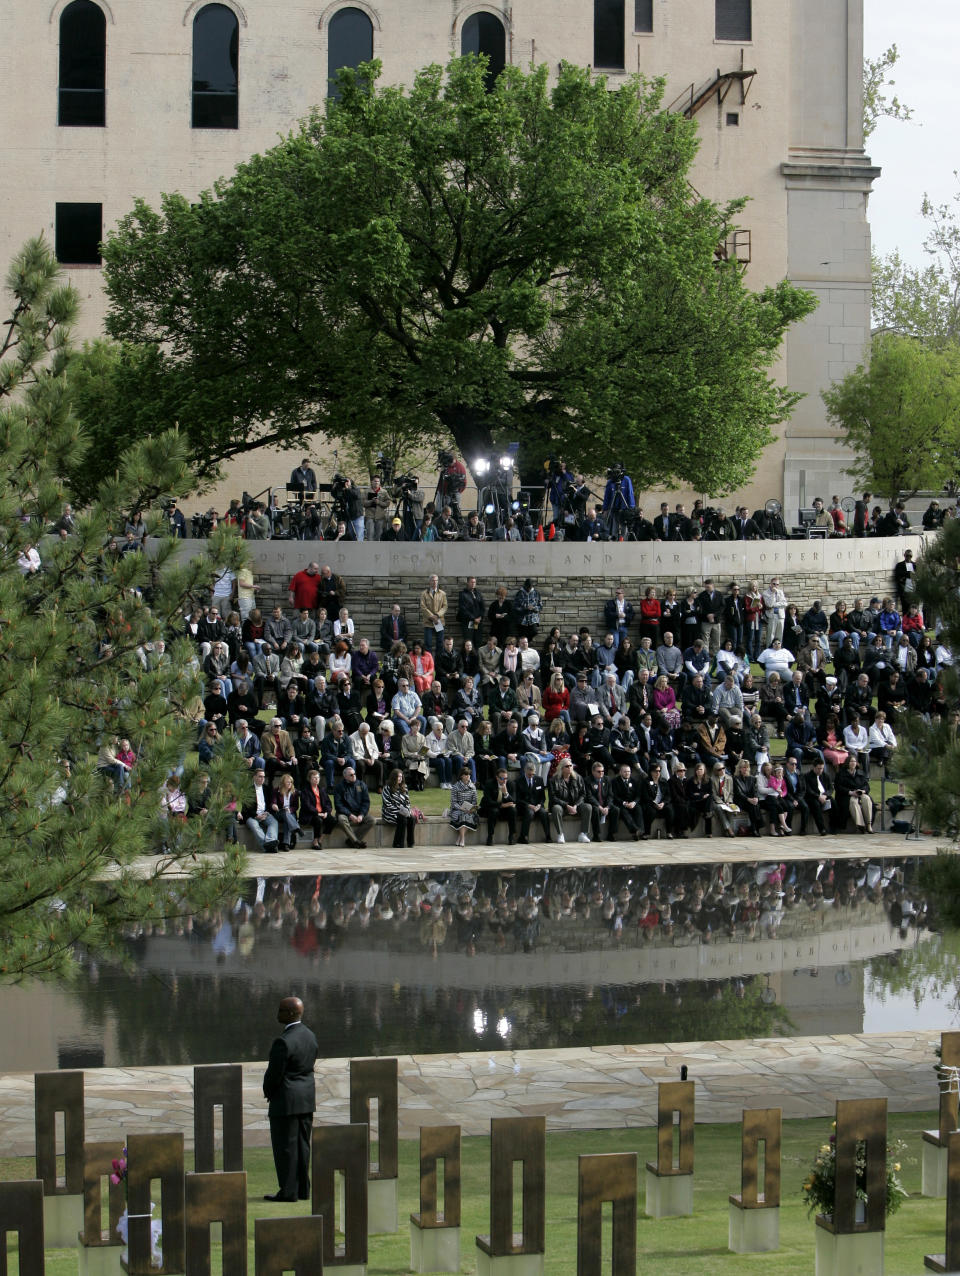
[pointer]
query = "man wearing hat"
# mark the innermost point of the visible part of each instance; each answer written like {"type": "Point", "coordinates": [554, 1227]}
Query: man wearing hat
{"type": "Point", "coordinates": [905, 580]}
{"type": "Point", "coordinates": [395, 530]}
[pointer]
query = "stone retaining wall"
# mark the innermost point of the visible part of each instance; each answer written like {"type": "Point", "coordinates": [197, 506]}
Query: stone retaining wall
{"type": "Point", "coordinates": [575, 580]}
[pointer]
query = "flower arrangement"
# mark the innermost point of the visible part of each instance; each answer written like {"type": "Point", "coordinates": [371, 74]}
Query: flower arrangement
{"type": "Point", "coordinates": [820, 1185]}
{"type": "Point", "coordinates": [118, 1173]}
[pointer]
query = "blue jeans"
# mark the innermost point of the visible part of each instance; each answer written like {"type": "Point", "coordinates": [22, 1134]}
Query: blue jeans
{"type": "Point", "coordinates": [432, 638]}
{"type": "Point", "coordinates": [846, 633]}
{"type": "Point", "coordinates": [263, 832]}
{"type": "Point", "coordinates": [357, 525]}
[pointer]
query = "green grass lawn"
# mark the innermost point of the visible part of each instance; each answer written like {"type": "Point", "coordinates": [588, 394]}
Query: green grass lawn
{"type": "Point", "coordinates": [687, 1245]}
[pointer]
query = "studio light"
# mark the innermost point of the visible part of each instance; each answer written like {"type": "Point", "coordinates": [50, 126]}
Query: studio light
{"type": "Point", "coordinates": [481, 465]}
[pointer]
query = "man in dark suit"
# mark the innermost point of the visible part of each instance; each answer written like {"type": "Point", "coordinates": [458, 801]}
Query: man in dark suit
{"type": "Point", "coordinates": [288, 1086]}
{"type": "Point", "coordinates": [393, 628]}
{"type": "Point", "coordinates": [818, 795]}
{"type": "Point", "coordinates": [499, 803]}
{"type": "Point", "coordinates": [664, 528]}
{"type": "Point", "coordinates": [532, 802]}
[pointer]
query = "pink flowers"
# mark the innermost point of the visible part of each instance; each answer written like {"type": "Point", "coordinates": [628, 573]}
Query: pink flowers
{"type": "Point", "coordinates": [119, 1172]}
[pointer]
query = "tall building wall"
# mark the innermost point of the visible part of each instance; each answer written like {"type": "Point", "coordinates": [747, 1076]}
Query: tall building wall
{"type": "Point", "coordinates": [790, 139]}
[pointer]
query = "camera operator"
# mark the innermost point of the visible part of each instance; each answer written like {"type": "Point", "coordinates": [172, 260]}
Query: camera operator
{"type": "Point", "coordinates": [257, 526]}
{"type": "Point", "coordinates": [717, 527]}
{"type": "Point", "coordinates": [303, 479]}
{"type": "Point", "coordinates": [618, 501]}
{"type": "Point", "coordinates": [453, 480]}
{"type": "Point", "coordinates": [593, 526]}
{"type": "Point", "coordinates": [559, 479]}
{"type": "Point", "coordinates": [409, 497]}
{"type": "Point", "coordinates": [376, 502]}
{"type": "Point", "coordinates": [770, 526]}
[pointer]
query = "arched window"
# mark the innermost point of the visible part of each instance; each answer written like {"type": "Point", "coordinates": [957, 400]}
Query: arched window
{"type": "Point", "coordinates": [349, 42]}
{"type": "Point", "coordinates": [83, 65]}
{"type": "Point", "coordinates": [484, 33]}
{"type": "Point", "coordinates": [216, 56]}
{"type": "Point", "coordinates": [609, 40]}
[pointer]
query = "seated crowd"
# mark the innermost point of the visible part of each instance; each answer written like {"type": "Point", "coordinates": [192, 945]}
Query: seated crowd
{"type": "Point", "coordinates": [666, 719]}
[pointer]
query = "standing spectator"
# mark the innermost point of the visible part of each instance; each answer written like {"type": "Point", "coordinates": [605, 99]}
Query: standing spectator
{"type": "Point", "coordinates": [775, 609]}
{"type": "Point", "coordinates": [651, 613]}
{"type": "Point", "coordinates": [734, 615]}
{"type": "Point", "coordinates": [303, 479]}
{"type": "Point", "coordinates": [618, 614]}
{"type": "Point", "coordinates": [352, 801]}
{"type": "Point", "coordinates": [527, 606]}
{"type": "Point", "coordinates": [904, 578]}
{"type": "Point", "coordinates": [470, 612]}
{"type": "Point", "coordinates": [861, 515]}
{"type": "Point", "coordinates": [500, 615]}
{"type": "Point", "coordinates": [433, 610]}
{"type": "Point", "coordinates": [304, 588]}
{"type": "Point", "coordinates": [376, 502]}
{"type": "Point", "coordinates": [753, 619]}
{"type": "Point", "coordinates": [709, 613]}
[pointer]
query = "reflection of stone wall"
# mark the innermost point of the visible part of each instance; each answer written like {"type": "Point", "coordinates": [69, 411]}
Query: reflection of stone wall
{"type": "Point", "coordinates": [576, 579]}
{"type": "Point", "coordinates": [367, 960]}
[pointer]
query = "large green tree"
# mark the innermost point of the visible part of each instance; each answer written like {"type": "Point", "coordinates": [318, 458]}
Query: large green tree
{"type": "Point", "coordinates": [900, 413]}
{"type": "Point", "coordinates": [524, 263]}
{"type": "Point", "coordinates": [80, 665]}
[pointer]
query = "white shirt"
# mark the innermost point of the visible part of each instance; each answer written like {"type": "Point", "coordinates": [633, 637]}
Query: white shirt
{"type": "Point", "coordinates": [775, 601]}
{"type": "Point", "coordinates": [882, 737]}
{"type": "Point", "coordinates": [261, 799]}
{"type": "Point", "coordinates": [856, 741]}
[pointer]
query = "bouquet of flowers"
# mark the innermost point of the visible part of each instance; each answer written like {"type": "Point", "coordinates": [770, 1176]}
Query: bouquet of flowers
{"type": "Point", "coordinates": [118, 1175]}
{"type": "Point", "coordinates": [820, 1185]}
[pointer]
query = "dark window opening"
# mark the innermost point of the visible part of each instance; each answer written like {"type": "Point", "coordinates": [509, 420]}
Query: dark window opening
{"type": "Point", "coordinates": [609, 42]}
{"type": "Point", "coordinates": [79, 230]}
{"type": "Point", "coordinates": [349, 42]}
{"type": "Point", "coordinates": [733, 119]}
{"type": "Point", "coordinates": [734, 20]}
{"type": "Point", "coordinates": [216, 58]}
{"type": "Point", "coordinates": [83, 66]}
{"type": "Point", "coordinates": [484, 33]}
{"type": "Point", "coordinates": [643, 16]}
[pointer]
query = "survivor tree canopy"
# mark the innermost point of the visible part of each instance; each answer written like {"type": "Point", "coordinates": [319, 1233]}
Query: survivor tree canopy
{"type": "Point", "coordinates": [526, 263]}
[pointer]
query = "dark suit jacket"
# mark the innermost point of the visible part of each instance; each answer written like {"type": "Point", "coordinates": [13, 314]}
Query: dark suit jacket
{"type": "Point", "coordinates": [528, 795]}
{"type": "Point", "coordinates": [386, 631]}
{"type": "Point", "coordinates": [288, 1083]}
{"type": "Point", "coordinates": [810, 790]}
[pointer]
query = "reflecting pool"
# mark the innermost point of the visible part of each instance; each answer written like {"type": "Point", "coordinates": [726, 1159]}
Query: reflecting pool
{"type": "Point", "coordinates": [412, 964]}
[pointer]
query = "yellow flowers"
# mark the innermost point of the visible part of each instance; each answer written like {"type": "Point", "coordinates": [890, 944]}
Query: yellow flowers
{"type": "Point", "coordinates": [896, 1166]}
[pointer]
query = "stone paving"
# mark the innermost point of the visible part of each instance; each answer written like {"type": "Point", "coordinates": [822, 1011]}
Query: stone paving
{"type": "Point", "coordinates": [576, 1089]}
{"type": "Point", "coordinates": [448, 859]}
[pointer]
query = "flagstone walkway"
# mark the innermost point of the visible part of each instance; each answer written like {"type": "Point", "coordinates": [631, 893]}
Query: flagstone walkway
{"type": "Point", "coordinates": [538, 855]}
{"type": "Point", "coordinates": [576, 1089]}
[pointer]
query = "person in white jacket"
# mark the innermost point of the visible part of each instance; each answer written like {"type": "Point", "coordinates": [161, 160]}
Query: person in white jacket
{"type": "Point", "coordinates": [775, 608]}
{"type": "Point", "coordinates": [881, 739]}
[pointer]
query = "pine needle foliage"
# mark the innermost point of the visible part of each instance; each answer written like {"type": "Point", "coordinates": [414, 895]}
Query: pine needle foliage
{"type": "Point", "coordinates": [79, 665]}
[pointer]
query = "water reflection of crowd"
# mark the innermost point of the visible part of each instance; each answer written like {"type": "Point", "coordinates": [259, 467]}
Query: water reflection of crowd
{"type": "Point", "coordinates": [568, 909]}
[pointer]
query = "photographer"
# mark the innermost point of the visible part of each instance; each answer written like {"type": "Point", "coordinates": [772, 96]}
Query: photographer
{"type": "Point", "coordinates": [559, 479]}
{"type": "Point", "coordinates": [618, 501]}
{"type": "Point", "coordinates": [452, 481]}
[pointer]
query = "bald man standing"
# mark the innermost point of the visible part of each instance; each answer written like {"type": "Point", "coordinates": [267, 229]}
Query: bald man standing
{"type": "Point", "coordinates": [289, 1089]}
